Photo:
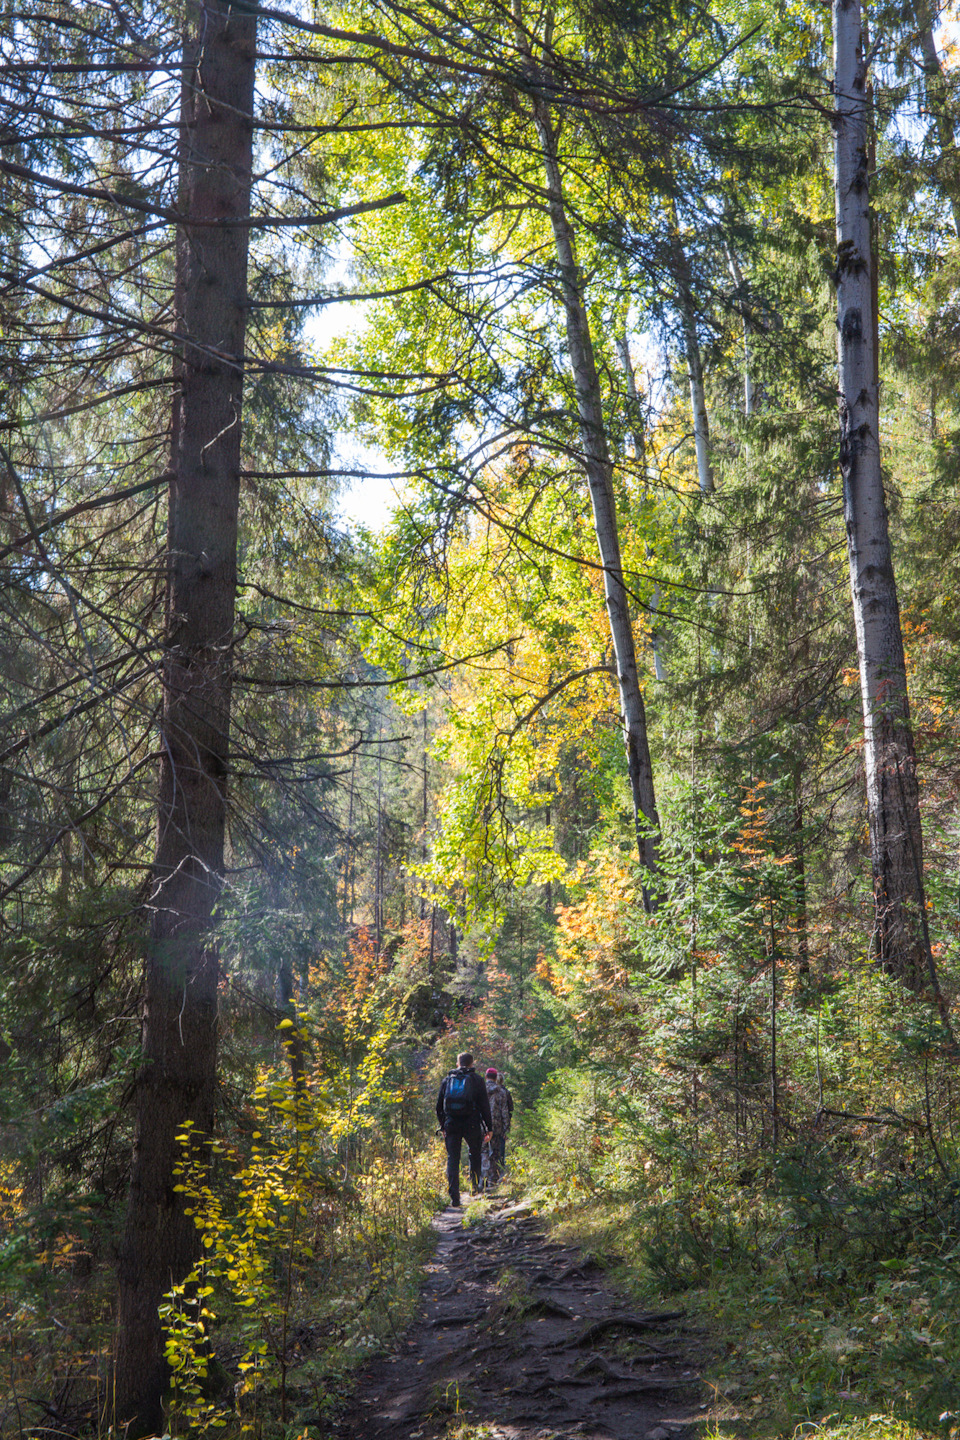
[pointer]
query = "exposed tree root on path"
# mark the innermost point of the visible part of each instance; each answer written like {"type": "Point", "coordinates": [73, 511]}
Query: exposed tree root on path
{"type": "Point", "coordinates": [519, 1339]}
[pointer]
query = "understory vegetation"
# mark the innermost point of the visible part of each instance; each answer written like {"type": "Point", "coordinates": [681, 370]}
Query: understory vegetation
{"type": "Point", "coordinates": [825, 1273]}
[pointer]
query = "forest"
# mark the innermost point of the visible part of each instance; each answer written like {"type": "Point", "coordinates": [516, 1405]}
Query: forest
{"type": "Point", "coordinates": [478, 484]}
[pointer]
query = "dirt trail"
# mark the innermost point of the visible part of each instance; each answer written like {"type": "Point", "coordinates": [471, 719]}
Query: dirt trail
{"type": "Point", "coordinates": [520, 1335]}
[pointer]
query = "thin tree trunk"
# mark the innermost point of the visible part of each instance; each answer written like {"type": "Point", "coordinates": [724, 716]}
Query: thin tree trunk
{"type": "Point", "coordinates": [774, 1113]}
{"type": "Point", "coordinates": [938, 103]}
{"type": "Point", "coordinates": [177, 1084]}
{"type": "Point", "coordinates": [599, 473]}
{"type": "Point", "coordinates": [749, 403]}
{"type": "Point", "coordinates": [691, 345]}
{"type": "Point", "coordinates": [548, 888]}
{"type": "Point", "coordinates": [892, 794]}
{"type": "Point", "coordinates": [749, 394]}
{"type": "Point", "coordinates": [291, 1040]}
{"type": "Point", "coordinates": [639, 455]}
{"type": "Point", "coordinates": [426, 816]}
{"type": "Point", "coordinates": [378, 877]}
{"type": "Point", "coordinates": [698, 399]}
{"type": "Point", "coordinates": [800, 863]}
{"type": "Point", "coordinates": [348, 856]}
{"type": "Point", "coordinates": [633, 408]}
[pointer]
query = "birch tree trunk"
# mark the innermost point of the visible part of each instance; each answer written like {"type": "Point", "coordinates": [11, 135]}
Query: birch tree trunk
{"type": "Point", "coordinates": [599, 473]}
{"type": "Point", "coordinates": [177, 1081]}
{"type": "Point", "coordinates": [892, 794]}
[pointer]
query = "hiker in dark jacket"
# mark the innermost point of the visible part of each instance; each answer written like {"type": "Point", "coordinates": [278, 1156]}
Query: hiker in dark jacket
{"type": "Point", "coordinates": [463, 1111]}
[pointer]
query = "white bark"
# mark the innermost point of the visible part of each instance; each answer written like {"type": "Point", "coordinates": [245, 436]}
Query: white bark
{"type": "Point", "coordinates": [599, 473]}
{"type": "Point", "coordinates": [892, 794]}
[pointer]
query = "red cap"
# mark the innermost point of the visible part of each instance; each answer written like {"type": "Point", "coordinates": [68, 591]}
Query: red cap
{"type": "Point", "coordinates": [491, 1074]}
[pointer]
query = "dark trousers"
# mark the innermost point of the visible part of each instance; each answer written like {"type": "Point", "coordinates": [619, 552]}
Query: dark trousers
{"type": "Point", "coordinates": [454, 1134]}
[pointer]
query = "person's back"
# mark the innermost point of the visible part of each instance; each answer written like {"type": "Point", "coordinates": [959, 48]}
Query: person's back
{"type": "Point", "coordinates": [462, 1107]}
{"type": "Point", "coordinates": [459, 1094]}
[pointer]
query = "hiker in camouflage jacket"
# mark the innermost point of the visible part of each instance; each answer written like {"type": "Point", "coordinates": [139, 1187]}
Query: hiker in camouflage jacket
{"type": "Point", "coordinates": [500, 1115]}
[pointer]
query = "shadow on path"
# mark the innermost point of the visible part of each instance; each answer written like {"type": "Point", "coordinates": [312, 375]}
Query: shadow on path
{"type": "Point", "coordinates": [520, 1338]}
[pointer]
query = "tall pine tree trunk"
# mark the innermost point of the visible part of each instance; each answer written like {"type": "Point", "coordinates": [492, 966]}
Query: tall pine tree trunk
{"type": "Point", "coordinates": [892, 793]}
{"type": "Point", "coordinates": [177, 1081]}
{"type": "Point", "coordinates": [599, 473]}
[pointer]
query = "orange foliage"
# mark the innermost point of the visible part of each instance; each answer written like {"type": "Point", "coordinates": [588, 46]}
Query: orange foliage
{"type": "Point", "coordinates": [364, 967]}
{"type": "Point", "coordinates": [594, 949]}
{"type": "Point", "coordinates": [755, 842]}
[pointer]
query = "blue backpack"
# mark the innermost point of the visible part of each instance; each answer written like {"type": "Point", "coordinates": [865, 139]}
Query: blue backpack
{"type": "Point", "coordinates": [458, 1103]}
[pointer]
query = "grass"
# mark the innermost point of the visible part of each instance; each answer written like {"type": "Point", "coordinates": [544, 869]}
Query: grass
{"type": "Point", "coordinates": [833, 1308]}
{"type": "Point", "coordinates": [868, 1427]}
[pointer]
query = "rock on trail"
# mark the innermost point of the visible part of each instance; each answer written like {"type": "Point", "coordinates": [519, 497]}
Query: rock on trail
{"type": "Point", "coordinates": [520, 1338]}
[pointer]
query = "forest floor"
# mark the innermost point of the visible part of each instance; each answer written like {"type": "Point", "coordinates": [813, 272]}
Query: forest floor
{"type": "Point", "coordinates": [519, 1338]}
